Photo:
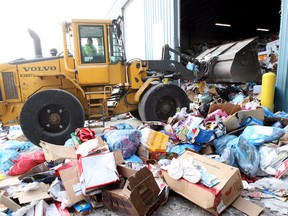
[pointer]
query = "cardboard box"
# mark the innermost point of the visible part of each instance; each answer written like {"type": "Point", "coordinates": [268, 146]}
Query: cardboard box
{"type": "Point", "coordinates": [96, 171]}
{"type": "Point", "coordinates": [136, 198]}
{"type": "Point", "coordinates": [214, 199]}
{"type": "Point", "coordinates": [126, 170]}
{"type": "Point", "coordinates": [71, 182]}
{"type": "Point", "coordinates": [256, 113]}
{"type": "Point", "coordinates": [234, 121]}
{"type": "Point", "coordinates": [153, 140]}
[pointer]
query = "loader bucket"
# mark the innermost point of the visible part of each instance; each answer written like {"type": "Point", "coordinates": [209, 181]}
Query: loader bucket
{"type": "Point", "coordinates": [235, 62]}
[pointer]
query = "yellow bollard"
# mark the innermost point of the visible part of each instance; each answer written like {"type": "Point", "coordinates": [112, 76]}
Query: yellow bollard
{"type": "Point", "coordinates": [268, 90]}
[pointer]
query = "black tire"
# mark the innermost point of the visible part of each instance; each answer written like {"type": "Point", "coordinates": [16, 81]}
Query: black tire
{"type": "Point", "coordinates": [135, 114]}
{"type": "Point", "coordinates": [51, 116]}
{"type": "Point", "coordinates": [161, 102]}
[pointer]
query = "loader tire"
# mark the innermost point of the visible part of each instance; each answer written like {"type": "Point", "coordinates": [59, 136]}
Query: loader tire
{"type": "Point", "coordinates": [51, 116]}
{"type": "Point", "coordinates": [161, 102]}
{"type": "Point", "coordinates": [135, 114]}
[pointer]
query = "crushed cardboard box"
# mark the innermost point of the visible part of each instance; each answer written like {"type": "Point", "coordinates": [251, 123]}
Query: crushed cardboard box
{"type": "Point", "coordinates": [234, 121]}
{"type": "Point", "coordinates": [214, 199]}
{"type": "Point", "coordinates": [136, 198]}
{"type": "Point", "coordinates": [122, 168]}
{"type": "Point", "coordinates": [71, 182]}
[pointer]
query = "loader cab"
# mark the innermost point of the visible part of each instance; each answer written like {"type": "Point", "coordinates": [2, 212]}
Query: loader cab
{"type": "Point", "coordinates": [92, 44]}
{"type": "Point", "coordinates": [96, 50]}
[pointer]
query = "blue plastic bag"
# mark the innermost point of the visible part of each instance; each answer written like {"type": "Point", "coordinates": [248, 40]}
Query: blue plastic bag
{"type": "Point", "coordinates": [247, 157]}
{"type": "Point", "coordinates": [180, 148]}
{"type": "Point", "coordinates": [221, 143]}
{"type": "Point", "coordinates": [6, 159]}
{"type": "Point", "coordinates": [257, 135]}
{"type": "Point", "coordinates": [127, 141]}
{"type": "Point", "coordinates": [204, 136]}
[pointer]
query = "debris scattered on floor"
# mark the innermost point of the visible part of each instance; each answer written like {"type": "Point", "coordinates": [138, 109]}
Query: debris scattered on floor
{"type": "Point", "coordinates": [226, 147]}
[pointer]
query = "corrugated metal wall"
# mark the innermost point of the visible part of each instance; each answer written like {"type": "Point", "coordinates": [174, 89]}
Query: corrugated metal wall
{"type": "Point", "coordinates": [281, 98]}
{"type": "Point", "coordinates": [161, 26]}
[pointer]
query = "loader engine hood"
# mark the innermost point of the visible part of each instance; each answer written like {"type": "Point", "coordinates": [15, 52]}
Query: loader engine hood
{"type": "Point", "coordinates": [37, 43]}
{"type": "Point", "coordinates": [235, 62]}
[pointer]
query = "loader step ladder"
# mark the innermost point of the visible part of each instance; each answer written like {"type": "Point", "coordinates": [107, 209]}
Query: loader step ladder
{"type": "Point", "coordinates": [97, 106]}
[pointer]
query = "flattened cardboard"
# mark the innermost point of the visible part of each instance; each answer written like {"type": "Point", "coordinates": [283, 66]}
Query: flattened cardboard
{"type": "Point", "coordinates": [247, 207]}
{"type": "Point", "coordinates": [96, 171]}
{"type": "Point", "coordinates": [71, 182]}
{"type": "Point", "coordinates": [9, 181]}
{"type": "Point", "coordinates": [214, 199]}
{"type": "Point", "coordinates": [57, 153]}
{"type": "Point", "coordinates": [229, 108]}
{"type": "Point", "coordinates": [136, 198]}
{"type": "Point", "coordinates": [29, 196]}
{"type": "Point", "coordinates": [8, 202]}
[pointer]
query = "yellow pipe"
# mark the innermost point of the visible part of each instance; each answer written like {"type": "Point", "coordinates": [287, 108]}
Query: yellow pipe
{"type": "Point", "coordinates": [65, 50]}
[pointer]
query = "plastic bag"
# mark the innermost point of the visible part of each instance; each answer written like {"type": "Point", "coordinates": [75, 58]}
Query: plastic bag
{"type": "Point", "coordinates": [221, 143]}
{"type": "Point", "coordinates": [26, 162]}
{"type": "Point", "coordinates": [123, 126]}
{"type": "Point", "coordinates": [18, 145]}
{"type": "Point", "coordinates": [134, 158]}
{"type": "Point", "coordinates": [247, 157]}
{"type": "Point", "coordinates": [180, 149]}
{"type": "Point", "coordinates": [92, 146]}
{"type": "Point", "coordinates": [228, 156]}
{"type": "Point", "coordinates": [267, 156]}
{"type": "Point", "coordinates": [257, 135]}
{"type": "Point", "coordinates": [127, 141]}
{"type": "Point", "coordinates": [6, 159]}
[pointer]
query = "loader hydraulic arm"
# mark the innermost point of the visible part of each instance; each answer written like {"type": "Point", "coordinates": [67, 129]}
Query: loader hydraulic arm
{"type": "Point", "coordinates": [175, 69]}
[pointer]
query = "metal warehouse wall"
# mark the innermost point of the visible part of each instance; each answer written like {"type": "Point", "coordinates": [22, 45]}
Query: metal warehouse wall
{"type": "Point", "coordinates": [148, 25]}
{"type": "Point", "coordinates": [281, 98]}
{"type": "Point", "coordinates": [161, 19]}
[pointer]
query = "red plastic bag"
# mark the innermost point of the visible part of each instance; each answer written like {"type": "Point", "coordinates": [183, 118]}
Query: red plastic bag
{"type": "Point", "coordinates": [85, 134]}
{"type": "Point", "coordinates": [26, 162]}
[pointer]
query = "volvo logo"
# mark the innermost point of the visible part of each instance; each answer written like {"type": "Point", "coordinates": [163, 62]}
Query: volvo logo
{"type": "Point", "coordinates": [40, 68]}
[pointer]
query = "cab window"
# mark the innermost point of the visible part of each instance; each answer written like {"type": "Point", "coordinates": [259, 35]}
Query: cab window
{"type": "Point", "coordinates": [92, 43]}
{"type": "Point", "coordinates": [115, 49]}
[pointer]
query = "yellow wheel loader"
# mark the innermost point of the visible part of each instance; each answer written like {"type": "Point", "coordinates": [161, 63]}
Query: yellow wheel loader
{"type": "Point", "coordinates": [52, 96]}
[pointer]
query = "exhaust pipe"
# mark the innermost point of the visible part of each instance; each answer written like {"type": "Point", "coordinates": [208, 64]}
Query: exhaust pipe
{"type": "Point", "coordinates": [37, 43]}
